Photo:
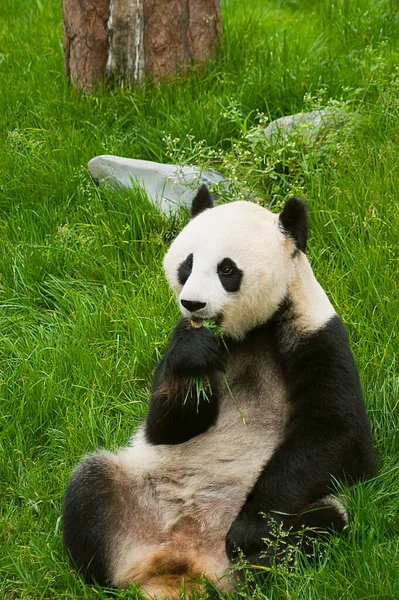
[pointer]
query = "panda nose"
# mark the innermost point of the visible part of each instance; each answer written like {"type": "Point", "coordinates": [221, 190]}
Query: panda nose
{"type": "Point", "coordinates": [192, 306]}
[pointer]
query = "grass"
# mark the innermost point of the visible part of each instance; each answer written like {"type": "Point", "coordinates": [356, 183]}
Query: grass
{"type": "Point", "coordinates": [85, 311]}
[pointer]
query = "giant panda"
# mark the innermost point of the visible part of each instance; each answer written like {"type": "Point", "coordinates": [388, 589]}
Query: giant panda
{"type": "Point", "coordinates": [278, 420]}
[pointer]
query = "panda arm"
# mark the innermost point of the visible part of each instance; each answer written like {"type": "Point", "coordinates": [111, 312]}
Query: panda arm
{"type": "Point", "coordinates": [327, 437]}
{"type": "Point", "coordinates": [179, 410]}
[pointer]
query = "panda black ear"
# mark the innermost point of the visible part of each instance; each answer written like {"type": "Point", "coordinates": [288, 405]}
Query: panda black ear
{"type": "Point", "coordinates": [201, 202]}
{"type": "Point", "coordinates": [294, 220]}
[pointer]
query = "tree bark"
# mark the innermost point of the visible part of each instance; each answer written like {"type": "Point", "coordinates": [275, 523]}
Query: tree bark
{"type": "Point", "coordinates": [85, 40]}
{"type": "Point", "coordinates": [178, 32]}
{"type": "Point", "coordinates": [132, 39]}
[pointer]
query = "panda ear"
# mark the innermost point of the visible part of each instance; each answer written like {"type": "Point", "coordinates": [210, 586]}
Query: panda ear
{"type": "Point", "coordinates": [201, 202]}
{"type": "Point", "coordinates": [294, 220]}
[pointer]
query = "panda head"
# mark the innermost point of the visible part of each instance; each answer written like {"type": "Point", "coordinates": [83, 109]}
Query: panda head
{"type": "Point", "coordinates": [234, 262]}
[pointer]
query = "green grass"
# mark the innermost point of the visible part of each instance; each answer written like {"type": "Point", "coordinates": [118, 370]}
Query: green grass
{"type": "Point", "coordinates": [85, 311]}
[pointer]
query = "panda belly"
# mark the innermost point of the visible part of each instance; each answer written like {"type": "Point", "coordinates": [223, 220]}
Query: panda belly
{"type": "Point", "coordinates": [190, 493]}
{"type": "Point", "coordinates": [212, 474]}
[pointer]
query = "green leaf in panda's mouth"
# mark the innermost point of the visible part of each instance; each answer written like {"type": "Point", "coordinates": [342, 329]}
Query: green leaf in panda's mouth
{"type": "Point", "coordinates": [209, 324]}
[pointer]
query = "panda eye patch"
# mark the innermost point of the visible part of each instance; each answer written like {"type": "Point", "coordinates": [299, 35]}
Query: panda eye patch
{"type": "Point", "coordinates": [184, 271]}
{"type": "Point", "coordinates": [230, 275]}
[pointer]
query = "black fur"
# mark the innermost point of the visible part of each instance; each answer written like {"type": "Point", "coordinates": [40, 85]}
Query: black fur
{"type": "Point", "coordinates": [87, 517]}
{"type": "Point", "coordinates": [193, 351]}
{"type": "Point", "coordinates": [176, 413]}
{"type": "Point", "coordinates": [327, 435]}
{"type": "Point", "coordinates": [184, 271]}
{"type": "Point", "coordinates": [324, 519]}
{"type": "Point", "coordinates": [230, 275]}
{"type": "Point", "coordinates": [294, 220]}
{"type": "Point", "coordinates": [301, 531]}
{"type": "Point", "coordinates": [202, 201]}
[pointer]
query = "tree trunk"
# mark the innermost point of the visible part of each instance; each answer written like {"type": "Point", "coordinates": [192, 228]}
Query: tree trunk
{"type": "Point", "coordinates": [130, 39]}
{"type": "Point", "coordinates": [178, 32]}
{"type": "Point", "coordinates": [85, 40]}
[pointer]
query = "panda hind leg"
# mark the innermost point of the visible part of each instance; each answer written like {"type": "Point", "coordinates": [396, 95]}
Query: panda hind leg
{"type": "Point", "coordinates": [115, 533]}
{"type": "Point", "coordinates": [328, 515]}
{"type": "Point", "coordinates": [319, 521]}
{"type": "Point", "coordinates": [101, 516]}
{"type": "Point", "coordinates": [87, 518]}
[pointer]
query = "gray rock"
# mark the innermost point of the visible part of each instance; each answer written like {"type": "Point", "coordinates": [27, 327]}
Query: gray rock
{"type": "Point", "coordinates": [168, 186]}
{"type": "Point", "coordinates": [172, 186]}
{"type": "Point", "coordinates": [310, 125]}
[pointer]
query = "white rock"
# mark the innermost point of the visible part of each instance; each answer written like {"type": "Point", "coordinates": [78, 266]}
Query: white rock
{"type": "Point", "coordinates": [167, 186]}
{"type": "Point", "coordinates": [309, 125]}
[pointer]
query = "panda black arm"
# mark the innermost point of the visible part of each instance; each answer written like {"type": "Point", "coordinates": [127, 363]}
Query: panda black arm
{"type": "Point", "coordinates": [178, 411]}
{"type": "Point", "coordinates": [327, 436]}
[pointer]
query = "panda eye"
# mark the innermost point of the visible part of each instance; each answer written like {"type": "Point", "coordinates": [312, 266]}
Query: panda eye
{"type": "Point", "coordinates": [227, 267]}
{"type": "Point", "coordinates": [226, 271]}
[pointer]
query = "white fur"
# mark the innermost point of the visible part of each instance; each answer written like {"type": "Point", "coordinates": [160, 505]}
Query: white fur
{"type": "Point", "coordinates": [310, 302]}
{"type": "Point", "coordinates": [140, 456]}
{"type": "Point", "coordinates": [252, 237]}
{"type": "Point", "coordinates": [336, 503]}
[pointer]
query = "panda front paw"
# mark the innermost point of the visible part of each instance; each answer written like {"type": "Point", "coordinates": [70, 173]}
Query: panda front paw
{"type": "Point", "coordinates": [194, 351]}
